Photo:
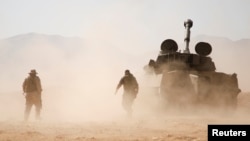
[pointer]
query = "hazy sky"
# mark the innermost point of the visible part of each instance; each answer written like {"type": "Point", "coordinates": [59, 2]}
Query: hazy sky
{"type": "Point", "coordinates": [124, 19]}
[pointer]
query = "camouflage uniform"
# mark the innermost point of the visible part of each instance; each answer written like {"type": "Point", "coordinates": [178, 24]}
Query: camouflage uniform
{"type": "Point", "coordinates": [130, 87]}
{"type": "Point", "coordinates": [32, 87]}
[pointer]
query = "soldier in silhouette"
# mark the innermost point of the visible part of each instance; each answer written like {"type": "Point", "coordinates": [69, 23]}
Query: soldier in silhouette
{"type": "Point", "coordinates": [32, 90]}
{"type": "Point", "coordinates": [130, 87]}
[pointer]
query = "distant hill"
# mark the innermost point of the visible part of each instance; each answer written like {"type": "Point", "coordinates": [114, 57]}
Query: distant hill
{"type": "Point", "coordinates": [72, 55]}
{"type": "Point", "coordinates": [64, 60]}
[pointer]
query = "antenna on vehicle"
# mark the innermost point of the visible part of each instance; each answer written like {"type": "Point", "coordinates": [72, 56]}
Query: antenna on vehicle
{"type": "Point", "coordinates": [188, 24]}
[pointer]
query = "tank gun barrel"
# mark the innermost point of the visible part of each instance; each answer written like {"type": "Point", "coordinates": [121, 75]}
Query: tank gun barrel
{"type": "Point", "coordinates": [188, 24]}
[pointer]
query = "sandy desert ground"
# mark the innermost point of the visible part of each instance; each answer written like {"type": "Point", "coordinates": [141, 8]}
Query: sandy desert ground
{"type": "Point", "coordinates": [143, 127]}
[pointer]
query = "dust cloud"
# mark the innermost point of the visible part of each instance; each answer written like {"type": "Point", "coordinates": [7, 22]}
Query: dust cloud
{"type": "Point", "coordinates": [76, 87]}
{"type": "Point", "coordinates": [79, 101]}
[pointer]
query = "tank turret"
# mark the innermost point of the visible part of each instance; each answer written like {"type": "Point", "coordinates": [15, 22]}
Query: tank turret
{"type": "Point", "coordinates": [191, 78]}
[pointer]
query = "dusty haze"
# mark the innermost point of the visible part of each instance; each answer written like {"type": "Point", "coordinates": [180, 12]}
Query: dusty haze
{"type": "Point", "coordinates": [79, 101]}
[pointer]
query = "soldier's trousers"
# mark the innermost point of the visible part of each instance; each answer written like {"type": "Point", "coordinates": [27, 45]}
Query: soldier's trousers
{"type": "Point", "coordinates": [127, 101]}
{"type": "Point", "coordinates": [33, 98]}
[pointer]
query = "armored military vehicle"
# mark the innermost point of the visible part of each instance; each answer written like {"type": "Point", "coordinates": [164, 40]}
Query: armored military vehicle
{"type": "Point", "coordinates": [190, 79]}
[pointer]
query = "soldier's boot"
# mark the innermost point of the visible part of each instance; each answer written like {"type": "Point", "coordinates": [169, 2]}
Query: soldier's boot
{"type": "Point", "coordinates": [26, 117]}
{"type": "Point", "coordinates": [129, 111]}
{"type": "Point", "coordinates": [27, 113]}
{"type": "Point", "coordinates": [38, 112]}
